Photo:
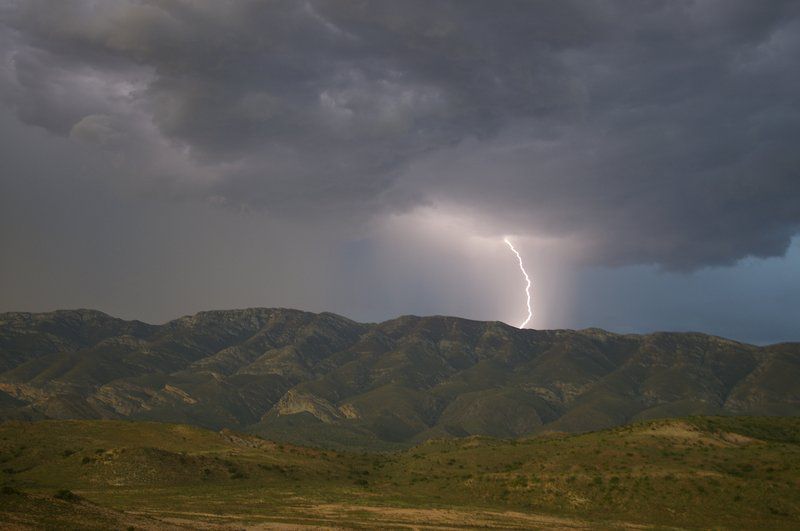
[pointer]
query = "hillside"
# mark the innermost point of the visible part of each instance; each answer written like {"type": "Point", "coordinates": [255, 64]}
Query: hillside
{"type": "Point", "coordinates": [697, 472]}
{"type": "Point", "coordinates": [322, 379]}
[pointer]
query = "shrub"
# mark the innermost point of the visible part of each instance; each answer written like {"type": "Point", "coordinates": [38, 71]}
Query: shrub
{"type": "Point", "coordinates": [66, 495]}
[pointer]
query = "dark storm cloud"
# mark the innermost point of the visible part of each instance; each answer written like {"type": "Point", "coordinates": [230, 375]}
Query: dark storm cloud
{"type": "Point", "coordinates": [655, 131]}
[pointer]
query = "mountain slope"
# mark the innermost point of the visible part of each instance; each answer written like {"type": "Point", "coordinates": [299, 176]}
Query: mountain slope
{"type": "Point", "coordinates": [324, 379]}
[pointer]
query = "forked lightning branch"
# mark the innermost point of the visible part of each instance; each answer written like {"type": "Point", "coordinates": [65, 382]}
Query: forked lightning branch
{"type": "Point", "coordinates": [527, 282]}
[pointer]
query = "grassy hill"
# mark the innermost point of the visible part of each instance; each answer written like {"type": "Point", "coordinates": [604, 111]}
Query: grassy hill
{"type": "Point", "coordinates": [323, 379]}
{"type": "Point", "coordinates": [696, 472]}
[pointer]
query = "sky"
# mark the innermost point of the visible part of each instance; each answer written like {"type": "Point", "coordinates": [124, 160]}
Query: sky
{"type": "Point", "coordinates": [162, 157]}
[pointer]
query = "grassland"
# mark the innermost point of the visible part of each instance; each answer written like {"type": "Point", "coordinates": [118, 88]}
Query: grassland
{"type": "Point", "coordinates": [699, 472]}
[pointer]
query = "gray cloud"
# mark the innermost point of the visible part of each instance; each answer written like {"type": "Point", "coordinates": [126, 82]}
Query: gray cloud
{"type": "Point", "coordinates": [652, 131]}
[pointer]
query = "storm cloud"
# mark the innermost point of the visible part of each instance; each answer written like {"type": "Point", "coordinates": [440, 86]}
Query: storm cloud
{"type": "Point", "coordinates": [364, 140]}
{"type": "Point", "coordinates": [656, 132]}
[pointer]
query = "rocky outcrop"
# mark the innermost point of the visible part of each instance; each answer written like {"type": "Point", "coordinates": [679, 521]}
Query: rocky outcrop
{"type": "Point", "coordinates": [294, 402]}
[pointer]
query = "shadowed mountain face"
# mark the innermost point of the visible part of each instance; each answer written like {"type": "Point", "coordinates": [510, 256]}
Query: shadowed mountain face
{"type": "Point", "coordinates": [323, 379]}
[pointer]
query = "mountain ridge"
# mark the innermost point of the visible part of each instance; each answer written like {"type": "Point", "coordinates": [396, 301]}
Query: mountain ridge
{"type": "Point", "coordinates": [320, 378]}
{"type": "Point", "coordinates": [591, 329]}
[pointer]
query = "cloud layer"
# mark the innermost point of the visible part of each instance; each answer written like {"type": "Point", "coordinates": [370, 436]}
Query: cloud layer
{"type": "Point", "coordinates": [651, 132]}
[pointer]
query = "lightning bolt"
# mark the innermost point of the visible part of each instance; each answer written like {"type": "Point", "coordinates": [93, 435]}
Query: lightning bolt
{"type": "Point", "coordinates": [527, 282]}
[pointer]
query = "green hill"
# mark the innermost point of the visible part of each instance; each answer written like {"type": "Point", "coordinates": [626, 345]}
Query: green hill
{"type": "Point", "coordinates": [325, 380]}
{"type": "Point", "coordinates": [696, 472]}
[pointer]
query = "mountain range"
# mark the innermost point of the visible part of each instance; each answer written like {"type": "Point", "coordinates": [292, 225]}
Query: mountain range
{"type": "Point", "coordinates": [325, 380]}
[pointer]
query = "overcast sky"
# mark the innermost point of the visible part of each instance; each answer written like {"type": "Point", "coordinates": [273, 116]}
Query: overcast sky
{"type": "Point", "coordinates": [161, 157]}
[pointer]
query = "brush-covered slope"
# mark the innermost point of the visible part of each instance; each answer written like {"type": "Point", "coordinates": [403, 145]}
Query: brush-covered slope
{"type": "Point", "coordinates": [324, 379]}
{"type": "Point", "coordinates": [698, 472]}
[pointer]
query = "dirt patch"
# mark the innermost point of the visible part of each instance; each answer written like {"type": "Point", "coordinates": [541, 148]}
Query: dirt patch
{"type": "Point", "coordinates": [680, 430]}
{"type": "Point", "coordinates": [344, 516]}
{"type": "Point", "coordinates": [445, 518]}
{"type": "Point", "coordinates": [737, 439]}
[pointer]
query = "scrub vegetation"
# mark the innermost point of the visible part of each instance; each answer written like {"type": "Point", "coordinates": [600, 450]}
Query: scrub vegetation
{"type": "Point", "coordinates": [693, 472]}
